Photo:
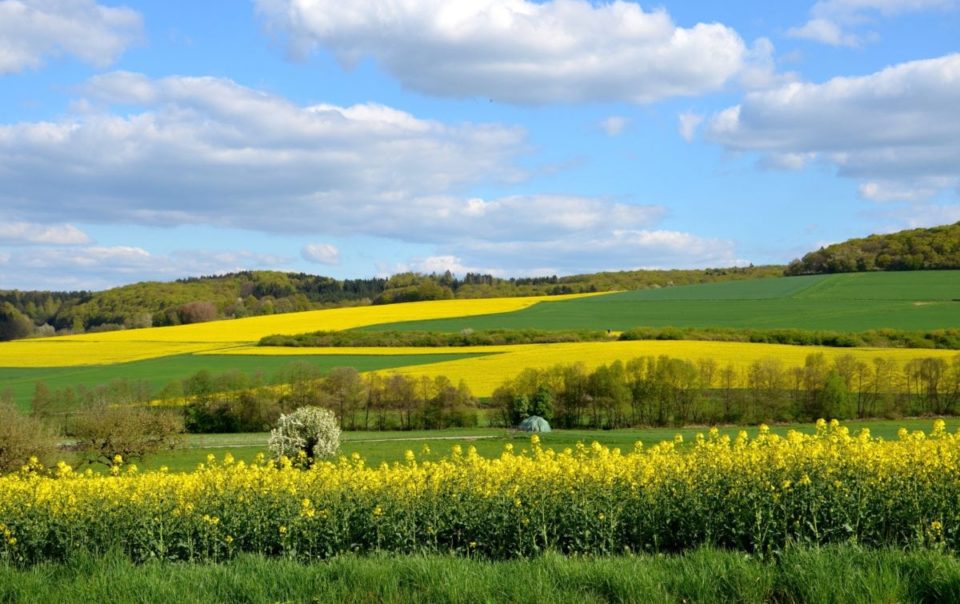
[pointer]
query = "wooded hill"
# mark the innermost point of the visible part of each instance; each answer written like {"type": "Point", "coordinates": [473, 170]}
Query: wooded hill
{"type": "Point", "coordinates": [250, 293]}
{"type": "Point", "coordinates": [915, 249]}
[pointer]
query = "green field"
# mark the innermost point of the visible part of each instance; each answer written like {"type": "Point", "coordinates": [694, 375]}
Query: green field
{"type": "Point", "coordinates": [390, 446]}
{"type": "Point", "coordinates": [915, 301]}
{"type": "Point", "coordinates": [161, 371]}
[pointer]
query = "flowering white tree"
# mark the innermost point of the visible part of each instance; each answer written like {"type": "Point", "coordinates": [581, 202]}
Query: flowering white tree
{"type": "Point", "coordinates": [306, 435]}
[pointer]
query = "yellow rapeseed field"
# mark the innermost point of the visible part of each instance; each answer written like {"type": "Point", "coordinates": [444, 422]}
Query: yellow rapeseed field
{"type": "Point", "coordinates": [138, 344]}
{"type": "Point", "coordinates": [484, 374]}
{"type": "Point", "coordinates": [754, 495]}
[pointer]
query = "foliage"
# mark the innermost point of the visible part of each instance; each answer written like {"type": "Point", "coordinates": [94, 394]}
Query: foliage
{"type": "Point", "coordinates": [916, 249]}
{"type": "Point", "coordinates": [660, 391]}
{"type": "Point", "coordinates": [104, 433]}
{"type": "Point", "coordinates": [307, 435]}
{"type": "Point", "coordinates": [760, 495]}
{"type": "Point", "coordinates": [23, 438]}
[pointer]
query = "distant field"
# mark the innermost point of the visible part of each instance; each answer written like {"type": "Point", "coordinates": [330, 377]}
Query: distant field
{"type": "Point", "coordinates": [484, 373]}
{"type": "Point", "coordinates": [922, 300]}
{"type": "Point", "coordinates": [159, 372]}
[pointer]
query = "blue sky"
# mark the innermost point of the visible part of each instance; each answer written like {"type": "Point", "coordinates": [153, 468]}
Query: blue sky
{"type": "Point", "coordinates": [158, 140]}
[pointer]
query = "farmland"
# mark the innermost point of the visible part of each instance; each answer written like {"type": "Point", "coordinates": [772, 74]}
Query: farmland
{"type": "Point", "coordinates": [756, 494]}
{"type": "Point", "coordinates": [921, 300]}
{"type": "Point", "coordinates": [849, 302]}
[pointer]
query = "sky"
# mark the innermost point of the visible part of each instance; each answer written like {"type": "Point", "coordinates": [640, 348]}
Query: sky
{"type": "Point", "coordinates": [156, 140]}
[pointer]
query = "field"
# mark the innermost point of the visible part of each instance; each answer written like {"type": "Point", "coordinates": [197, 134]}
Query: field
{"type": "Point", "coordinates": [434, 445]}
{"type": "Point", "coordinates": [758, 494]}
{"type": "Point", "coordinates": [921, 300]}
{"type": "Point", "coordinates": [915, 300]}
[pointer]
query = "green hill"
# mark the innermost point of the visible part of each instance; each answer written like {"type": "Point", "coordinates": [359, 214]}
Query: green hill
{"type": "Point", "coordinates": [916, 249]}
{"type": "Point", "coordinates": [914, 301]}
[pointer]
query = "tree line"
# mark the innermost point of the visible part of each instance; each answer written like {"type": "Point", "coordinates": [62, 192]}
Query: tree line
{"type": "Point", "coordinates": [236, 401]}
{"type": "Point", "coordinates": [664, 391]}
{"type": "Point", "coordinates": [914, 249]}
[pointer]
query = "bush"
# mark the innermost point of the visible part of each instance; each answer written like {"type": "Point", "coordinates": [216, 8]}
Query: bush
{"type": "Point", "coordinates": [105, 431]}
{"type": "Point", "coordinates": [23, 437]}
{"type": "Point", "coordinates": [306, 435]}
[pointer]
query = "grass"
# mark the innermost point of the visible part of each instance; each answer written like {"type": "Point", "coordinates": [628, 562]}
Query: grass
{"type": "Point", "coordinates": [844, 574]}
{"type": "Point", "coordinates": [920, 300]}
{"type": "Point", "coordinates": [389, 447]}
{"type": "Point", "coordinates": [161, 371]}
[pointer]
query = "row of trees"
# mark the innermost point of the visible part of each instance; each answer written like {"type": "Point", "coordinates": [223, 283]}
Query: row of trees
{"type": "Point", "coordinates": [659, 391]}
{"type": "Point", "coordinates": [240, 402]}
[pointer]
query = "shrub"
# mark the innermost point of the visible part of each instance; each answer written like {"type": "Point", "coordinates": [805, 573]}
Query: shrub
{"type": "Point", "coordinates": [23, 437]}
{"type": "Point", "coordinates": [105, 431]}
{"type": "Point", "coordinates": [306, 435]}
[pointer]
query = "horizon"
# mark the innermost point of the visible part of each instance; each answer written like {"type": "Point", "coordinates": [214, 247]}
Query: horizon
{"type": "Point", "coordinates": [141, 141]}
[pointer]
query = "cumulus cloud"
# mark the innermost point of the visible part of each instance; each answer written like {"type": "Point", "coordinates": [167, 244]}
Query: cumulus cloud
{"type": "Point", "coordinates": [614, 125]}
{"type": "Point", "coordinates": [208, 151]}
{"type": "Point", "coordinates": [831, 20]}
{"type": "Point", "coordinates": [516, 51]}
{"type": "Point", "coordinates": [895, 130]}
{"type": "Point", "coordinates": [32, 31]}
{"type": "Point", "coordinates": [27, 233]}
{"type": "Point", "coordinates": [99, 267]}
{"type": "Point", "coordinates": [321, 253]}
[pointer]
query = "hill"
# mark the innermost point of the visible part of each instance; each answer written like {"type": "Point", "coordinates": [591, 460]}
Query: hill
{"type": "Point", "coordinates": [915, 301]}
{"type": "Point", "coordinates": [935, 248]}
{"type": "Point", "coordinates": [254, 293]}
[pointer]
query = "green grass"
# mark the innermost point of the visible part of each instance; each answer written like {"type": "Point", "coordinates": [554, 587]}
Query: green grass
{"type": "Point", "coordinates": [389, 447]}
{"type": "Point", "coordinates": [160, 372]}
{"type": "Point", "coordinates": [843, 574]}
{"type": "Point", "coordinates": [915, 301]}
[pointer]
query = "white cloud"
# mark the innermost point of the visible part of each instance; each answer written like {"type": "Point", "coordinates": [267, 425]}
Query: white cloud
{"type": "Point", "coordinates": [101, 267]}
{"type": "Point", "coordinates": [689, 122]}
{"type": "Point", "coordinates": [895, 131]}
{"type": "Point", "coordinates": [32, 31]}
{"type": "Point", "coordinates": [321, 253]}
{"type": "Point", "coordinates": [207, 151]}
{"type": "Point", "coordinates": [830, 20]}
{"type": "Point", "coordinates": [824, 32]}
{"type": "Point", "coordinates": [614, 125]}
{"type": "Point", "coordinates": [26, 233]}
{"type": "Point", "coordinates": [516, 51]}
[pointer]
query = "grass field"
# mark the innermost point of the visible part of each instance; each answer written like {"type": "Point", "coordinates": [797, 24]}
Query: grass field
{"type": "Point", "coordinates": [922, 300]}
{"type": "Point", "coordinates": [160, 371]}
{"type": "Point", "coordinates": [831, 575]}
{"type": "Point", "coordinates": [390, 447]}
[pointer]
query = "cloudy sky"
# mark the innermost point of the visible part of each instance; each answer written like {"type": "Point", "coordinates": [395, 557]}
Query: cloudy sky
{"type": "Point", "coordinates": [169, 138]}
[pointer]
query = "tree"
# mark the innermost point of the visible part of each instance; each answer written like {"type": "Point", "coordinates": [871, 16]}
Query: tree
{"type": "Point", "coordinates": [305, 436]}
{"type": "Point", "coordinates": [105, 431]}
{"type": "Point", "coordinates": [13, 323]}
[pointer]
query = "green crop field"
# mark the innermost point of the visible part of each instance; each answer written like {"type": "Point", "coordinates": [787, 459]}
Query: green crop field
{"type": "Point", "coordinates": [921, 300]}
{"type": "Point", "coordinates": [159, 372]}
